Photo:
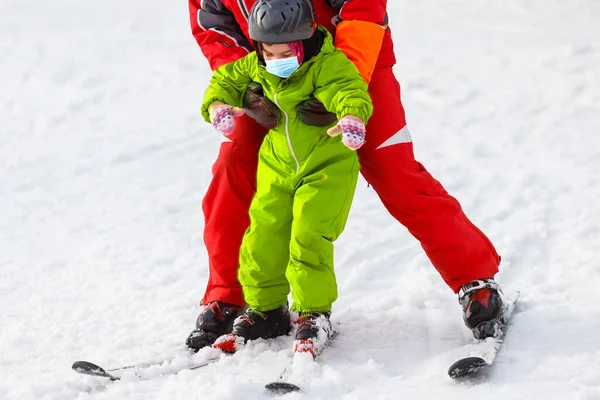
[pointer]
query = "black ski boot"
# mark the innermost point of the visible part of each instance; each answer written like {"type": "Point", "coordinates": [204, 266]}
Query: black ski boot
{"type": "Point", "coordinates": [215, 320]}
{"type": "Point", "coordinates": [254, 324]}
{"type": "Point", "coordinates": [313, 334]}
{"type": "Point", "coordinates": [483, 308]}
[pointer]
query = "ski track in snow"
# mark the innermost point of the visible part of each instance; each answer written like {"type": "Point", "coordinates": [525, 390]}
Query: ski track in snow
{"type": "Point", "coordinates": [105, 160]}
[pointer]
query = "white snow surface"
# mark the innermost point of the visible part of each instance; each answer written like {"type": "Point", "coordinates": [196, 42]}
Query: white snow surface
{"type": "Point", "coordinates": [105, 160]}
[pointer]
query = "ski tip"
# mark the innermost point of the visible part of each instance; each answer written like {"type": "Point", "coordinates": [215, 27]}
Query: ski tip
{"type": "Point", "coordinates": [281, 387]}
{"type": "Point", "coordinates": [88, 368]}
{"type": "Point", "coordinates": [466, 367]}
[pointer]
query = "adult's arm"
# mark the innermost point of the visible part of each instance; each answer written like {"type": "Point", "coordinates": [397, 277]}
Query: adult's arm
{"type": "Point", "coordinates": [217, 32]}
{"type": "Point", "coordinates": [359, 34]}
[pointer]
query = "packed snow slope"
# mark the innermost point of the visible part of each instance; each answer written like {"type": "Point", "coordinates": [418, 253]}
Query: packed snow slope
{"type": "Point", "coordinates": [105, 159]}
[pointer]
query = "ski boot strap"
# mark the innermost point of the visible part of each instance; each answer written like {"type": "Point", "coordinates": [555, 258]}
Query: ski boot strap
{"type": "Point", "coordinates": [476, 285]}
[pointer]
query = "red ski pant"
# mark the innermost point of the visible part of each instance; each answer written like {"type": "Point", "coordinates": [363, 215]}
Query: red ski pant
{"type": "Point", "coordinates": [458, 250]}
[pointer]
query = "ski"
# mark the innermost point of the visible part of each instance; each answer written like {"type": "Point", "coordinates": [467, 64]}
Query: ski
{"type": "Point", "coordinates": [283, 385]}
{"type": "Point", "coordinates": [115, 374]}
{"type": "Point", "coordinates": [484, 351]}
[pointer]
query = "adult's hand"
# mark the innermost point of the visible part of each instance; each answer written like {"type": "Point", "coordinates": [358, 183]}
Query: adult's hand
{"type": "Point", "coordinates": [313, 112]}
{"type": "Point", "coordinates": [260, 108]}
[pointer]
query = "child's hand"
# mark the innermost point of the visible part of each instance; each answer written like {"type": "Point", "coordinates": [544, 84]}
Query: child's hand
{"type": "Point", "coordinates": [221, 116]}
{"type": "Point", "coordinates": [352, 130]}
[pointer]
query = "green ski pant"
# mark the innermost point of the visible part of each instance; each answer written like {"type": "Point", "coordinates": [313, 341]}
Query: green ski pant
{"type": "Point", "coordinates": [298, 211]}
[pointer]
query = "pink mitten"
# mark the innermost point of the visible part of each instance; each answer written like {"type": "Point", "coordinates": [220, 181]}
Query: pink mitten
{"type": "Point", "coordinates": [352, 130]}
{"type": "Point", "coordinates": [221, 116]}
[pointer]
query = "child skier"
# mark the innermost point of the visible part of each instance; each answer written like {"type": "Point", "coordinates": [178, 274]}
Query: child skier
{"type": "Point", "coordinates": [305, 179]}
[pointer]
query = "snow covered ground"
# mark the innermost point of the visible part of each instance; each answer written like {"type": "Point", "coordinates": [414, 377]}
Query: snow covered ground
{"type": "Point", "coordinates": [104, 161]}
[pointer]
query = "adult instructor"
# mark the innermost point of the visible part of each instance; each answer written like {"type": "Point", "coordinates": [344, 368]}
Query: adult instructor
{"type": "Point", "coordinates": [464, 257]}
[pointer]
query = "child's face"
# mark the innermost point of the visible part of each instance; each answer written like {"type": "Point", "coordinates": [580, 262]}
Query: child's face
{"type": "Point", "coordinates": [276, 51]}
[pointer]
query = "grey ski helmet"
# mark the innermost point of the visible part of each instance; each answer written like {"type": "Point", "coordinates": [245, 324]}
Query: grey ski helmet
{"type": "Point", "coordinates": [281, 21]}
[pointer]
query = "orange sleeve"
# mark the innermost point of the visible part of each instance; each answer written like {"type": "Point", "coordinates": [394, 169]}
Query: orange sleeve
{"type": "Point", "coordinates": [361, 42]}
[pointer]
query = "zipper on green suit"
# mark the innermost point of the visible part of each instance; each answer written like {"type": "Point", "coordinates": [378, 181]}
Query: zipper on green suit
{"type": "Point", "coordinates": [287, 134]}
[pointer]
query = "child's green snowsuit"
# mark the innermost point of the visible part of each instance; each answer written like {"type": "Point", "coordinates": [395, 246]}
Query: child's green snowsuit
{"type": "Point", "coordinates": [305, 179]}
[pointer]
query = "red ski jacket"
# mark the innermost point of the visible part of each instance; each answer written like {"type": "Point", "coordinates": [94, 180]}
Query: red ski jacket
{"type": "Point", "coordinates": [359, 27]}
